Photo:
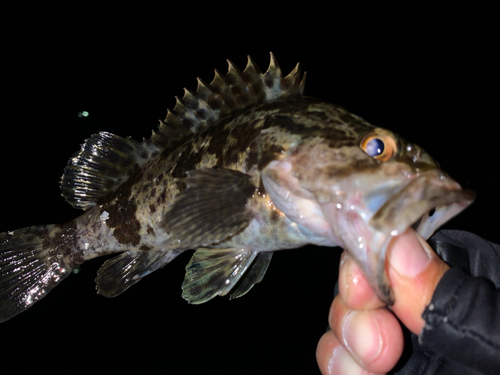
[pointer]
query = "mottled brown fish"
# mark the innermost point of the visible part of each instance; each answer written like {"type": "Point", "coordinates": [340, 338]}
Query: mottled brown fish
{"type": "Point", "coordinates": [244, 166]}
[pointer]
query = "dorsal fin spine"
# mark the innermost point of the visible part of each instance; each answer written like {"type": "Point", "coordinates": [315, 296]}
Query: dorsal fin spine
{"type": "Point", "coordinates": [238, 86]}
{"type": "Point", "coordinates": [225, 95]}
{"type": "Point", "coordinates": [213, 100]}
{"type": "Point", "coordinates": [274, 78]}
{"type": "Point", "coordinates": [253, 77]}
{"type": "Point", "coordinates": [302, 83]}
{"type": "Point", "coordinates": [186, 115]}
{"type": "Point", "coordinates": [221, 88]}
{"type": "Point", "coordinates": [198, 104]}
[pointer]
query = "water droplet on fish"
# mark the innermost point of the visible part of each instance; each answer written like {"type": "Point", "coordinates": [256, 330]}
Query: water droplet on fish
{"type": "Point", "coordinates": [394, 232]}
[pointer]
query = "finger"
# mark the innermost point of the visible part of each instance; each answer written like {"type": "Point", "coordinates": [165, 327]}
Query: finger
{"type": "Point", "coordinates": [354, 289]}
{"type": "Point", "coordinates": [333, 358]}
{"type": "Point", "coordinates": [373, 338]}
{"type": "Point", "coordinates": [414, 272]}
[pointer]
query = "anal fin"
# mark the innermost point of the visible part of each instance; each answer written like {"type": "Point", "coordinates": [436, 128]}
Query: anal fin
{"type": "Point", "coordinates": [214, 272]}
{"type": "Point", "coordinates": [118, 274]}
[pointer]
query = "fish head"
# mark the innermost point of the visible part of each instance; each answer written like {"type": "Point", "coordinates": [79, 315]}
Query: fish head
{"type": "Point", "coordinates": [358, 186]}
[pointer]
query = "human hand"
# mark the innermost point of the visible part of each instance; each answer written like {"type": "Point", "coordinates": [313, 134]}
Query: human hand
{"type": "Point", "coordinates": [365, 336]}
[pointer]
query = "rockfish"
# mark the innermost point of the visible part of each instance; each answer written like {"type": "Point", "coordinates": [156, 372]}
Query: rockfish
{"type": "Point", "coordinates": [244, 166]}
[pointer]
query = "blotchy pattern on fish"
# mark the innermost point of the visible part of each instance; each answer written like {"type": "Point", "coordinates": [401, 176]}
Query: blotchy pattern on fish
{"type": "Point", "coordinates": [244, 166]}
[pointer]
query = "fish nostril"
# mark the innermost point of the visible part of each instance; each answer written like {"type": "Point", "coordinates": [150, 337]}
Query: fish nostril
{"type": "Point", "coordinates": [431, 212]}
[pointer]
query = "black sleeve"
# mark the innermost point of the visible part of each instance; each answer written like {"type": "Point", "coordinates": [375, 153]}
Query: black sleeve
{"type": "Point", "coordinates": [462, 331]}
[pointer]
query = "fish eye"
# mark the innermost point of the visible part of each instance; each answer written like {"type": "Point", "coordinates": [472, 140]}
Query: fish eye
{"type": "Point", "coordinates": [379, 144]}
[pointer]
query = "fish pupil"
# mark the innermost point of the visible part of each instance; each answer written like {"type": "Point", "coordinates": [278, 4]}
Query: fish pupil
{"type": "Point", "coordinates": [374, 147]}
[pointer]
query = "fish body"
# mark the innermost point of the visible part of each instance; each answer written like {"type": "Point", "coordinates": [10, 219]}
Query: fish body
{"type": "Point", "coordinates": [244, 166]}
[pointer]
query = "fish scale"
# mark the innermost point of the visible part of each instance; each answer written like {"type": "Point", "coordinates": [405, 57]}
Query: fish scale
{"type": "Point", "coordinates": [239, 168]}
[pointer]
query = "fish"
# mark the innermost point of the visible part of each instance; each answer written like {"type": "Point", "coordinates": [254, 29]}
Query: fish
{"type": "Point", "coordinates": [242, 167]}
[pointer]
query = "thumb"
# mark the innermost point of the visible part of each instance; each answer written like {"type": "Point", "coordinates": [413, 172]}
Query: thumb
{"type": "Point", "coordinates": [414, 272]}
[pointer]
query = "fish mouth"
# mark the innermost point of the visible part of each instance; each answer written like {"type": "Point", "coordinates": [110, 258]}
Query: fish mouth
{"type": "Point", "coordinates": [425, 203]}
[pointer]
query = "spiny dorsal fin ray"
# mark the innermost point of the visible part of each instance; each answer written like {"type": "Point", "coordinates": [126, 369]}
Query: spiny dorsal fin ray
{"type": "Point", "coordinates": [240, 88]}
{"type": "Point", "coordinates": [224, 96]}
{"type": "Point", "coordinates": [103, 163]}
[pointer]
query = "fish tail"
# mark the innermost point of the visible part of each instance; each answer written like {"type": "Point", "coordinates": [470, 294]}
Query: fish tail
{"type": "Point", "coordinates": [33, 260]}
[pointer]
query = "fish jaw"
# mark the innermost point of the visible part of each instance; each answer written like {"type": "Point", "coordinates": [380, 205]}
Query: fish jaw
{"type": "Point", "coordinates": [363, 212]}
{"type": "Point", "coordinates": [424, 202]}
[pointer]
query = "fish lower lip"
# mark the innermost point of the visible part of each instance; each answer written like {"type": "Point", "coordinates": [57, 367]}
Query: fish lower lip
{"type": "Point", "coordinates": [424, 204]}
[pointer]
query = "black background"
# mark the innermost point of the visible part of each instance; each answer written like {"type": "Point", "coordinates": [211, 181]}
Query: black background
{"type": "Point", "coordinates": [430, 72]}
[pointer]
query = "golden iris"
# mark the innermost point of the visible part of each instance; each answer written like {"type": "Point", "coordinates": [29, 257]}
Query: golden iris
{"type": "Point", "coordinates": [379, 144]}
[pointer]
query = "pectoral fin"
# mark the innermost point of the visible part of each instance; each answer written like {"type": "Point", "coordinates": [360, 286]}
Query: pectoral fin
{"type": "Point", "coordinates": [214, 272]}
{"type": "Point", "coordinates": [211, 208]}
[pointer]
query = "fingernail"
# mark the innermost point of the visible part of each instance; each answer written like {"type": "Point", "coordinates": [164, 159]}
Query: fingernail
{"type": "Point", "coordinates": [409, 255]}
{"type": "Point", "coordinates": [342, 363]}
{"type": "Point", "coordinates": [343, 258]}
{"type": "Point", "coordinates": [361, 335]}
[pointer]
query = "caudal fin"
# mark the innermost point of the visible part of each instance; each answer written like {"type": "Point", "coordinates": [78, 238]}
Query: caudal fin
{"type": "Point", "coordinates": [31, 264]}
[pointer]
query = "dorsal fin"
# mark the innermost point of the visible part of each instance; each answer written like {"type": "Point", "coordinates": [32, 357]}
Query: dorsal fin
{"type": "Point", "coordinates": [224, 96]}
{"type": "Point", "coordinates": [105, 160]}
{"type": "Point", "coordinates": [103, 163]}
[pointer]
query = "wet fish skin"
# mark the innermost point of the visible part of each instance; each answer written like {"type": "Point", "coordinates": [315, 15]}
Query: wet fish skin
{"type": "Point", "coordinates": [241, 168]}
